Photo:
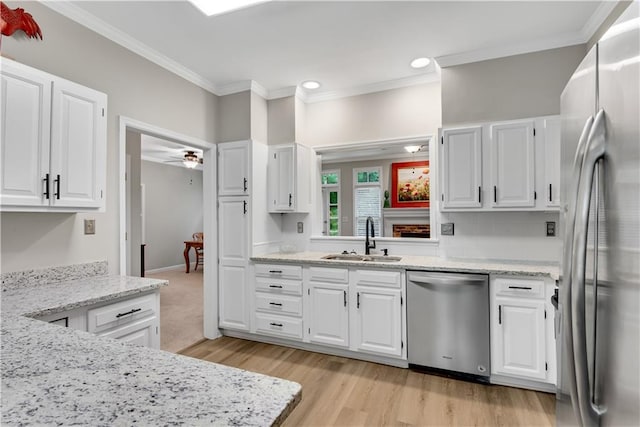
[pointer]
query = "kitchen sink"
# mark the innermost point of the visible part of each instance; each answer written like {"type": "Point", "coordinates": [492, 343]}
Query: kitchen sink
{"type": "Point", "coordinates": [363, 258]}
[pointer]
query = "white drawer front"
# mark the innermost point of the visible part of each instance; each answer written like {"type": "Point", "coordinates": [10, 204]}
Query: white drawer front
{"type": "Point", "coordinates": [279, 304]}
{"type": "Point", "coordinates": [328, 274]}
{"type": "Point", "coordinates": [388, 279]}
{"type": "Point", "coordinates": [289, 327]}
{"type": "Point", "coordinates": [279, 271]}
{"type": "Point", "coordinates": [520, 287]}
{"type": "Point", "coordinates": [121, 313]}
{"type": "Point", "coordinates": [279, 286]}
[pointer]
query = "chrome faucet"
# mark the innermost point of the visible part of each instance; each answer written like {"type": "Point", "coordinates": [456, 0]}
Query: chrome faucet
{"type": "Point", "coordinates": [369, 228]}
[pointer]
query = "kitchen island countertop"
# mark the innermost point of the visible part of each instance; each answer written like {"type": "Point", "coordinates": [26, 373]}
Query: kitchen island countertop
{"type": "Point", "coordinates": [416, 262]}
{"type": "Point", "coordinates": [56, 375]}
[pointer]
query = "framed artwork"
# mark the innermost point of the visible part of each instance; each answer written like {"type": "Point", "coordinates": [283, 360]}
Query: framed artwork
{"type": "Point", "coordinates": [410, 184]}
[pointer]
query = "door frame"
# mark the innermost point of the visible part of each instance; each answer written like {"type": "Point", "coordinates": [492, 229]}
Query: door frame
{"type": "Point", "coordinates": [209, 198]}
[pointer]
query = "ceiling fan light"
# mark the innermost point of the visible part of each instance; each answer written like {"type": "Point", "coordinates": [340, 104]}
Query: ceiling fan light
{"type": "Point", "coordinates": [191, 164]}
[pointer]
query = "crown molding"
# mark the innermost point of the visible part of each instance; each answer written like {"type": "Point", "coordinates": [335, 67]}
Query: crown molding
{"type": "Point", "coordinates": [601, 13]}
{"type": "Point", "coordinates": [431, 77]}
{"type": "Point", "coordinates": [96, 25]}
{"type": "Point", "coordinates": [283, 92]}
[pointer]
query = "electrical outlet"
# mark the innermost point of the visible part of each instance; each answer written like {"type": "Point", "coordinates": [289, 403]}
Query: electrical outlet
{"type": "Point", "coordinates": [89, 226]}
{"type": "Point", "coordinates": [300, 227]}
{"type": "Point", "coordinates": [551, 228]}
{"type": "Point", "coordinates": [446, 229]}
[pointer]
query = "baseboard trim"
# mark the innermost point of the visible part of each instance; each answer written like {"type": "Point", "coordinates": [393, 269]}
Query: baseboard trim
{"type": "Point", "coordinates": [399, 363]}
{"type": "Point", "coordinates": [169, 268]}
{"type": "Point", "coordinates": [522, 383]}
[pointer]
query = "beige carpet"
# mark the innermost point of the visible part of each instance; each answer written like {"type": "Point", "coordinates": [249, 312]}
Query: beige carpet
{"type": "Point", "coordinates": [181, 305]}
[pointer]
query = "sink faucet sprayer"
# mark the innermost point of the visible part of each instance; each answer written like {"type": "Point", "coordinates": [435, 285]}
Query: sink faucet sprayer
{"type": "Point", "coordinates": [369, 228]}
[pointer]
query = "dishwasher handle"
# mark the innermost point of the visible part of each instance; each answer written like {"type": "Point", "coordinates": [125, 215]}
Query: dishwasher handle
{"type": "Point", "coordinates": [446, 279]}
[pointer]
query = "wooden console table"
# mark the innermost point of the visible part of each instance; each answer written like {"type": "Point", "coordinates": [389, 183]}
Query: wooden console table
{"type": "Point", "coordinates": [188, 244]}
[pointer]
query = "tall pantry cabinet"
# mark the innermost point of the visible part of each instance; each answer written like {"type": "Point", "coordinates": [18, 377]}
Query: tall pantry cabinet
{"type": "Point", "coordinates": [241, 188]}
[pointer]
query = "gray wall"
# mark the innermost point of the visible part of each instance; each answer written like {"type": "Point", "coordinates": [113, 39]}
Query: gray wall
{"type": "Point", "coordinates": [396, 113]}
{"type": "Point", "coordinates": [282, 120]}
{"type": "Point", "coordinates": [514, 87]}
{"type": "Point", "coordinates": [234, 116]}
{"type": "Point", "coordinates": [134, 203]}
{"type": "Point", "coordinates": [259, 117]}
{"type": "Point", "coordinates": [173, 212]}
{"type": "Point", "coordinates": [136, 88]}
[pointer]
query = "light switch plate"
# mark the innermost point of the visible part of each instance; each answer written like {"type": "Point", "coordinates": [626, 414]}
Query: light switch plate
{"type": "Point", "coordinates": [89, 226]}
{"type": "Point", "coordinates": [446, 229]}
{"type": "Point", "coordinates": [300, 227]}
{"type": "Point", "coordinates": [551, 228]}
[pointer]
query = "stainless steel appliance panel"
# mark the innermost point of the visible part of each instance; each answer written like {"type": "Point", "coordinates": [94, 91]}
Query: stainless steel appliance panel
{"type": "Point", "coordinates": [448, 321]}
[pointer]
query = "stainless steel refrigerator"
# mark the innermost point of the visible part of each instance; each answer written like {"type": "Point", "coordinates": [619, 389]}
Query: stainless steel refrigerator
{"type": "Point", "coordinates": [598, 316]}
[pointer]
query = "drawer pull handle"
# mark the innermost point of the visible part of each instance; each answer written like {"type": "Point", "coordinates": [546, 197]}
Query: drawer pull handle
{"type": "Point", "coordinates": [277, 304]}
{"type": "Point", "coordinates": [135, 310]}
{"type": "Point", "coordinates": [276, 324]}
{"type": "Point", "coordinates": [275, 271]}
{"type": "Point", "coordinates": [527, 288]}
{"type": "Point", "coordinates": [276, 286]}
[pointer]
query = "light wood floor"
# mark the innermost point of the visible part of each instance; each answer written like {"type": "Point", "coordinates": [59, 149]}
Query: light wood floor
{"type": "Point", "coordinates": [341, 391]}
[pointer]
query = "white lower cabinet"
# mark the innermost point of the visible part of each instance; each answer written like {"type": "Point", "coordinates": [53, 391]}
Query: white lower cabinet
{"type": "Point", "coordinates": [328, 310]}
{"type": "Point", "coordinates": [378, 321]}
{"type": "Point", "coordinates": [135, 320]}
{"type": "Point", "coordinates": [348, 309]}
{"type": "Point", "coordinates": [521, 347]}
{"type": "Point", "coordinates": [234, 311]}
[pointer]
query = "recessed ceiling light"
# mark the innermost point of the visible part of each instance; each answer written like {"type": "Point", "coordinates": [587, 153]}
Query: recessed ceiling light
{"type": "Point", "coordinates": [310, 84]}
{"type": "Point", "coordinates": [217, 7]}
{"type": "Point", "coordinates": [420, 62]}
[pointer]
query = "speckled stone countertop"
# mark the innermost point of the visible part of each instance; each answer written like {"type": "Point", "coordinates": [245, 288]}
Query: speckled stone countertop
{"type": "Point", "coordinates": [413, 262]}
{"type": "Point", "coordinates": [53, 375]}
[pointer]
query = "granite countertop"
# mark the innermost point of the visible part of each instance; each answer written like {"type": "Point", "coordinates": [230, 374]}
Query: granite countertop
{"type": "Point", "coordinates": [414, 262]}
{"type": "Point", "coordinates": [56, 375]}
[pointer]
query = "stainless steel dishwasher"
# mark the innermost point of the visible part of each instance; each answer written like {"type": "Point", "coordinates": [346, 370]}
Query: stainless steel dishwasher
{"type": "Point", "coordinates": [448, 323]}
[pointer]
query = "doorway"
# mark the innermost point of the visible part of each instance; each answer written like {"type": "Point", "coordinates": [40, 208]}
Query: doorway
{"type": "Point", "coordinates": [130, 237]}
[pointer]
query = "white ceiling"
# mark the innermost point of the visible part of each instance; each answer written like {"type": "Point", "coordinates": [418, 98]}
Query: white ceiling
{"type": "Point", "coordinates": [348, 46]}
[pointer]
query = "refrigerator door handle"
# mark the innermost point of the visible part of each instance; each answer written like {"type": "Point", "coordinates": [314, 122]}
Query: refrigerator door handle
{"type": "Point", "coordinates": [565, 289]}
{"type": "Point", "coordinates": [590, 413]}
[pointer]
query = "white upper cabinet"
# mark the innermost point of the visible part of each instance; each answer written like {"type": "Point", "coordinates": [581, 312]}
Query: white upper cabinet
{"type": "Point", "coordinates": [289, 178]}
{"type": "Point", "coordinates": [234, 160]}
{"type": "Point", "coordinates": [462, 167]}
{"type": "Point", "coordinates": [512, 164]}
{"type": "Point", "coordinates": [551, 185]}
{"type": "Point", "coordinates": [78, 145]}
{"type": "Point", "coordinates": [507, 166]}
{"type": "Point", "coordinates": [26, 124]}
{"type": "Point", "coordinates": [53, 142]}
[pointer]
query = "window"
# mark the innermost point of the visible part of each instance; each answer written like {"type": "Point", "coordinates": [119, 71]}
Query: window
{"type": "Point", "coordinates": [331, 203]}
{"type": "Point", "coordinates": [367, 199]}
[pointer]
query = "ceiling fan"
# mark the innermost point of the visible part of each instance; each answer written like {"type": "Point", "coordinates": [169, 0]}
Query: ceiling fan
{"type": "Point", "coordinates": [190, 159]}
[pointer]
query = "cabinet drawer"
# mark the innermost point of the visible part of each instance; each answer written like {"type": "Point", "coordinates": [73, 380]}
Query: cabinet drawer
{"type": "Point", "coordinates": [327, 274]}
{"type": "Point", "coordinates": [276, 285]}
{"type": "Point", "coordinates": [121, 313]}
{"type": "Point", "coordinates": [520, 287]}
{"type": "Point", "coordinates": [281, 271]}
{"type": "Point", "coordinates": [279, 304]}
{"type": "Point", "coordinates": [388, 279]}
{"type": "Point", "coordinates": [282, 326]}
